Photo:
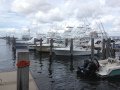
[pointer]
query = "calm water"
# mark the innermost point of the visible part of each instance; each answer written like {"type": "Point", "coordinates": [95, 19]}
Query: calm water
{"type": "Point", "coordinates": [59, 73]}
{"type": "Point", "coordinates": [7, 62]}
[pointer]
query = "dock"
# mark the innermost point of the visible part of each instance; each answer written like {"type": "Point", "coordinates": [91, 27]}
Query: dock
{"type": "Point", "coordinates": [8, 81]}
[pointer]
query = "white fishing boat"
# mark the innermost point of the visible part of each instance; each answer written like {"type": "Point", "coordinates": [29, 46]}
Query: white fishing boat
{"type": "Point", "coordinates": [80, 40]}
{"type": "Point", "coordinates": [28, 42]}
{"type": "Point", "coordinates": [46, 42]}
{"type": "Point", "coordinates": [117, 44]}
{"type": "Point", "coordinates": [76, 51]}
{"type": "Point", "coordinates": [46, 47]}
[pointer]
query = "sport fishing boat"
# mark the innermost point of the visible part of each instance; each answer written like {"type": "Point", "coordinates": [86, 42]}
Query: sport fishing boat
{"type": "Point", "coordinates": [65, 51]}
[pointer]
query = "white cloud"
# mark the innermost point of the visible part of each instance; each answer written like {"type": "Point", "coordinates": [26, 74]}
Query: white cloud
{"type": "Point", "coordinates": [107, 18]}
{"type": "Point", "coordinates": [30, 6]}
{"type": "Point", "coordinates": [83, 8]}
{"type": "Point", "coordinates": [117, 21]}
{"type": "Point", "coordinates": [45, 14]}
{"type": "Point", "coordinates": [53, 15]}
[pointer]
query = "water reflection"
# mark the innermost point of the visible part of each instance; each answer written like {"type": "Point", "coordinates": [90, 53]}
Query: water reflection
{"type": "Point", "coordinates": [7, 62]}
{"type": "Point", "coordinates": [71, 64]}
{"type": "Point", "coordinates": [14, 56]}
{"type": "Point", "coordinates": [56, 73]}
{"type": "Point", "coordinates": [50, 67]}
{"type": "Point", "coordinates": [40, 60]}
{"type": "Point", "coordinates": [59, 73]}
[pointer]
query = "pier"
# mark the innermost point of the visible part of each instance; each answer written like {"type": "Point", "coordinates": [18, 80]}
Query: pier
{"type": "Point", "coordinates": [18, 78]}
{"type": "Point", "coordinates": [8, 81]}
{"type": "Point", "coordinates": [59, 45]}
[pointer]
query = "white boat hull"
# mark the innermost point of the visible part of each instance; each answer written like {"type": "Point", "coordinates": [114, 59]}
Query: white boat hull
{"type": "Point", "coordinates": [109, 67]}
{"type": "Point", "coordinates": [66, 52]}
{"type": "Point", "coordinates": [45, 47]}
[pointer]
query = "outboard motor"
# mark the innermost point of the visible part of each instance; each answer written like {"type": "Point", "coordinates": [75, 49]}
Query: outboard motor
{"type": "Point", "coordinates": [89, 68]}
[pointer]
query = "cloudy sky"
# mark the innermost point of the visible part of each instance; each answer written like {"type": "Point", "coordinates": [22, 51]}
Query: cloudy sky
{"type": "Point", "coordinates": [16, 16]}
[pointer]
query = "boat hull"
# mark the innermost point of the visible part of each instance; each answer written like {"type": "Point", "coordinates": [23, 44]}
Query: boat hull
{"type": "Point", "coordinates": [109, 67]}
{"type": "Point", "coordinates": [64, 52]}
{"type": "Point", "coordinates": [113, 73]}
{"type": "Point", "coordinates": [67, 52]}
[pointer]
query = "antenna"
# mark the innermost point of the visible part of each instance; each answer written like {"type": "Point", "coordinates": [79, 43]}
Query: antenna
{"type": "Point", "coordinates": [103, 29]}
{"type": "Point", "coordinates": [99, 28]}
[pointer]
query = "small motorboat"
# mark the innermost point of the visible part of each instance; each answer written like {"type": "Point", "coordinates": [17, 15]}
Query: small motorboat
{"type": "Point", "coordinates": [88, 69]}
{"type": "Point", "coordinates": [103, 68]}
{"type": "Point", "coordinates": [109, 67]}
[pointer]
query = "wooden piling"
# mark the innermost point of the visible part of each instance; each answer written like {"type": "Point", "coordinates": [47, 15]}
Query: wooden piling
{"type": "Point", "coordinates": [71, 47]}
{"type": "Point", "coordinates": [92, 48]}
{"type": "Point", "coordinates": [103, 49]}
{"type": "Point", "coordinates": [108, 45]}
{"type": "Point", "coordinates": [23, 71]}
{"type": "Point", "coordinates": [66, 42]}
{"type": "Point", "coordinates": [107, 48]}
{"type": "Point", "coordinates": [35, 41]}
{"type": "Point", "coordinates": [113, 50]}
{"type": "Point", "coordinates": [14, 47]}
{"type": "Point", "coordinates": [51, 46]}
{"type": "Point", "coordinates": [71, 60]}
{"type": "Point", "coordinates": [41, 45]}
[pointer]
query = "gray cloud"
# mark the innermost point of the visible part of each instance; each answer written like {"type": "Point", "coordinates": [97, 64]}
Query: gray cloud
{"type": "Point", "coordinates": [113, 3]}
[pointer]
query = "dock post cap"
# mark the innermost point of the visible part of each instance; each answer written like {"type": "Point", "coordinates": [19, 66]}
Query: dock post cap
{"type": "Point", "coordinates": [23, 63]}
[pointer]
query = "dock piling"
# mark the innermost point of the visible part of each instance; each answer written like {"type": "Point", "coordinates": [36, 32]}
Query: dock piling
{"type": "Point", "coordinates": [108, 45]}
{"type": "Point", "coordinates": [41, 45]}
{"type": "Point", "coordinates": [66, 42]}
{"type": "Point", "coordinates": [71, 47]}
{"type": "Point", "coordinates": [92, 48]}
{"type": "Point", "coordinates": [51, 46]}
{"type": "Point", "coordinates": [103, 49]}
{"type": "Point", "coordinates": [113, 50]}
{"type": "Point", "coordinates": [14, 47]}
{"type": "Point", "coordinates": [23, 71]}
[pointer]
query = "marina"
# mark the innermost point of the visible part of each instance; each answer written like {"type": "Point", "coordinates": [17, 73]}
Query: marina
{"type": "Point", "coordinates": [59, 45]}
{"type": "Point", "coordinates": [56, 73]}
